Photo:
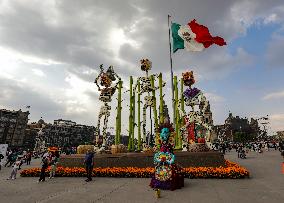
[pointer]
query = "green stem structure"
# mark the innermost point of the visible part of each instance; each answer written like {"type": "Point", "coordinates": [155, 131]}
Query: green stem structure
{"type": "Point", "coordinates": [176, 119]}
{"type": "Point", "coordinates": [119, 134]}
{"type": "Point", "coordinates": [161, 98]}
{"type": "Point", "coordinates": [133, 121]}
{"type": "Point", "coordinates": [130, 117]}
{"type": "Point", "coordinates": [139, 122]}
{"type": "Point", "coordinates": [181, 95]}
{"type": "Point", "coordinates": [118, 117]}
{"type": "Point", "coordinates": [154, 104]}
{"type": "Point", "coordinates": [181, 120]}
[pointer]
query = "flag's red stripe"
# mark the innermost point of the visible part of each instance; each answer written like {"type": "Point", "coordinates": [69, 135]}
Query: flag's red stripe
{"type": "Point", "coordinates": [203, 35]}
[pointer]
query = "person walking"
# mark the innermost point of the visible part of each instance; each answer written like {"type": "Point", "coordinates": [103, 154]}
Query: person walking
{"type": "Point", "coordinates": [29, 158]}
{"type": "Point", "coordinates": [9, 159]}
{"type": "Point", "coordinates": [22, 160]}
{"type": "Point", "coordinates": [43, 168]}
{"type": "Point", "coordinates": [89, 162]}
{"type": "Point", "coordinates": [266, 146]}
{"type": "Point", "coordinates": [15, 169]}
{"type": "Point", "coordinates": [53, 164]}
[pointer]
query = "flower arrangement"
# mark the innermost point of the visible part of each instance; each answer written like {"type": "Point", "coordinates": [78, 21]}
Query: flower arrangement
{"type": "Point", "coordinates": [146, 64]}
{"type": "Point", "coordinates": [190, 93]}
{"type": "Point", "coordinates": [188, 78]}
{"type": "Point", "coordinates": [231, 170]}
{"type": "Point", "coordinates": [52, 149]}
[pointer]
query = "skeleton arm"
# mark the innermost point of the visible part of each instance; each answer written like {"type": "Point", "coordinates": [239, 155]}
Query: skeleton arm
{"type": "Point", "coordinates": [156, 76]}
{"type": "Point", "coordinates": [180, 110]}
{"type": "Point", "coordinates": [119, 79]}
{"type": "Point", "coordinates": [136, 85]}
{"type": "Point", "coordinates": [98, 77]}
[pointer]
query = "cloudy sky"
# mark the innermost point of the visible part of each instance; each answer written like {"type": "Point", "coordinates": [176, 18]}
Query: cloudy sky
{"type": "Point", "coordinates": [50, 52]}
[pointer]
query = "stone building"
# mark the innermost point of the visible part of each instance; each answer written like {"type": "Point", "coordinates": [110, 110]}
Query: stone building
{"type": "Point", "coordinates": [235, 124]}
{"type": "Point", "coordinates": [12, 127]}
{"type": "Point", "coordinates": [66, 133]}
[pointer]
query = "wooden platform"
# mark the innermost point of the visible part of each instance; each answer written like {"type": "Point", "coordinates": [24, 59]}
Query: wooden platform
{"type": "Point", "coordinates": [185, 159]}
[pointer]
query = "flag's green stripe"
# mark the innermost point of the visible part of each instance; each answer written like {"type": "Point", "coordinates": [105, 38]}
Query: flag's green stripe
{"type": "Point", "coordinates": [178, 42]}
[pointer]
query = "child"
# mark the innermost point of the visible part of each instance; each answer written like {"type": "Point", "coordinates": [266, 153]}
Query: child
{"type": "Point", "coordinates": [53, 164]}
{"type": "Point", "coordinates": [15, 169]}
{"type": "Point", "coordinates": [43, 168]}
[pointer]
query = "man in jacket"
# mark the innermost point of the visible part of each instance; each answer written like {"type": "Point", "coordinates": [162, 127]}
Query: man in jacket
{"type": "Point", "coordinates": [89, 162]}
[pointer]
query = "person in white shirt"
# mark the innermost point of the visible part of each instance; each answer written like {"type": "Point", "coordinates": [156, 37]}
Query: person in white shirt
{"type": "Point", "coordinates": [15, 169]}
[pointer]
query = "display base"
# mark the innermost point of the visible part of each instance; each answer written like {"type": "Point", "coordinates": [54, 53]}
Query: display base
{"type": "Point", "coordinates": [142, 160]}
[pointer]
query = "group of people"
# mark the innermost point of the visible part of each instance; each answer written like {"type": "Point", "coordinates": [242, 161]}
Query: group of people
{"type": "Point", "coordinates": [52, 158]}
{"type": "Point", "coordinates": [16, 155]}
{"type": "Point", "coordinates": [15, 159]}
{"type": "Point", "coordinates": [243, 148]}
{"type": "Point", "coordinates": [49, 159]}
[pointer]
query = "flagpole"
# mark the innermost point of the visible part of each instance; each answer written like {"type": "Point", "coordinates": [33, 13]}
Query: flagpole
{"type": "Point", "coordinates": [171, 63]}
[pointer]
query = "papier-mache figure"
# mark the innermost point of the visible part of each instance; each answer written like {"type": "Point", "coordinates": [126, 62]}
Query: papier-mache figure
{"type": "Point", "coordinates": [168, 176]}
{"type": "Point", "coordinates": [107, 83]}
{"type": "Point", "coordinates": [198, 124]}
{"type": "Point", "coordinates": [146, 87]}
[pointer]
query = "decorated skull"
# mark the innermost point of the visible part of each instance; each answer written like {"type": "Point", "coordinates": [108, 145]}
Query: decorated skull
{"type": "Point", "coordinates": [188, 78]}
{"type": "Point", "coordinates": [146, 64]}
{"type": "Point", "coordinates": [165, 133]}
{"type": "Point", "coordinates": [110, 73]}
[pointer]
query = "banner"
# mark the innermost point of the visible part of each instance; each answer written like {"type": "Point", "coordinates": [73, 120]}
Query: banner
{"type": "Point", "coordinates": [3, 150]}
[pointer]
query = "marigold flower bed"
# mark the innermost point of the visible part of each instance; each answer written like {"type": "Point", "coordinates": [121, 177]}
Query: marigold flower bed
{"type": "Point", "coordinates": [231, 170]}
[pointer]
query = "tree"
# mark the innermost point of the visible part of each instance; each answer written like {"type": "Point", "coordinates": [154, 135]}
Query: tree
{"type": "Point", "coordinates": [244, 137]}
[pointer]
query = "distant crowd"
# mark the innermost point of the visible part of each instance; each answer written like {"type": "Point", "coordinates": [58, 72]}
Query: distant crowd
{"type": "Point", "coordinates": [243, 148]}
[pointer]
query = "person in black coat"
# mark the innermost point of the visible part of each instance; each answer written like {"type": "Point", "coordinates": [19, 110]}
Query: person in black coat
{"type": "Point", "coordinates": [89, 162]}
{"type": "Point", "coordinates": [43, 168]}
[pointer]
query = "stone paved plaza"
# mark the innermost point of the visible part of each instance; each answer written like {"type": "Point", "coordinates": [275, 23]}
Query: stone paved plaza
{"type": "Point", "coordinates": [265, 185]}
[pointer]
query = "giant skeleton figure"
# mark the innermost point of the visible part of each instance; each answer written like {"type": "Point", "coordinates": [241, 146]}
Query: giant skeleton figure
{"type": "Point", "coordinates": [104, 82]}
{"type": "Point", "coordinates": [146, 87]}
{"type": "Point", "coordinates": [193, 97]}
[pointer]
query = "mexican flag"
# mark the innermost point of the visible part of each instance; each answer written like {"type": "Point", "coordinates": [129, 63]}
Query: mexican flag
{"type": "Point", "coordinates": [193, 37]}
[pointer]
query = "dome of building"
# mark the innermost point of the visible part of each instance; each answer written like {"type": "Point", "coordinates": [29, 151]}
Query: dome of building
{"type": "Point", "coordinates": [41, 121]}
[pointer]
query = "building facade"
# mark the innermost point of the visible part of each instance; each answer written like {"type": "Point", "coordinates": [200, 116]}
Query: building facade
{"type": "Point", "coordinates": [12, 127]}
{"type": "Point", "coordinates": [235, 124]}
{"type": "Point", "coordinates": [66, 133]}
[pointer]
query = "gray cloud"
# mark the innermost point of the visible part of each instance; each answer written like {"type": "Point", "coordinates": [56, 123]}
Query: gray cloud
{"type": "Point", "coordinates": [17, 96]}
